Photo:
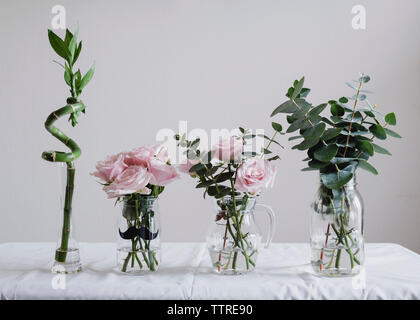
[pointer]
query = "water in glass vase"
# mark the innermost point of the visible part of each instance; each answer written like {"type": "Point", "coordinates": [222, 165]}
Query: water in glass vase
{"type": "Point", "coordinates": [139, 261]}
{"type": "Point", "coordinates": [67, 261]}
{"type": "Point", "coordinates": [233, 261]}
{"type": "Point", "coordinates": [337, 244]}
{"type": "Point", "coordinates": [233, 240]}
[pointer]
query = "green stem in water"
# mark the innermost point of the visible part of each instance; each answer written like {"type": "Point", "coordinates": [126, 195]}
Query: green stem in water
{"type": "Point", "coordinates": [61, 253]}
{"type": "Point", "coordinates": [67, 157]}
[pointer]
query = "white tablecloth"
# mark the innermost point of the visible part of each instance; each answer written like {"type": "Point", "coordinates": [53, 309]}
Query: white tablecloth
{"type": "Point", "coordinates": [283, 272]}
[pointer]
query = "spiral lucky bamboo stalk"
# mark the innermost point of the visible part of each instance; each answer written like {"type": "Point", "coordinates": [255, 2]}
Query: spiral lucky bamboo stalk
{"type": "Point", "coordinates": [68, 49]}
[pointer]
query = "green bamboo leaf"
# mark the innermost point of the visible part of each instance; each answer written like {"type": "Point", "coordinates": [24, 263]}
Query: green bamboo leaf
{"type": "Point", "coordinates": [367, 166]}
{"type": "Point", "coordinates": [381, 150]}
{"type": "Point", "coordinates": [326, 153]}
{"type": "Point", "coordinates": [391, 119]}
{"type": "Point", "coordinates": [58, 45]}
{"type": "Point", "coordinates": [86, 78]}
{"type": "Point", "coordinates": [73, 44]}
{"type": "Point", "coordinates": [68, 37]}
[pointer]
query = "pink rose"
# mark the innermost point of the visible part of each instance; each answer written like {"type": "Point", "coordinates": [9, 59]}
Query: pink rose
{"type": "Point", "coordinates": [187, 165]}
{"type": "Point", "coordinates": [161, 173]}
{"type": "Point", "coordinates": [131, 180]}
{"type": "Point", "coordinates": [109, 169]}
{"type": "Point", "coordinates": [228, 149]}
{"type": "Point", "coordinates": [140, 156]}
{"type": "Point", "coordinates": [254, 174]}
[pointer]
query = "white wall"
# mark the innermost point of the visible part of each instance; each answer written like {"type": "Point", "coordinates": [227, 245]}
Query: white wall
{"type": "Point", "coordinates": [216, 64]}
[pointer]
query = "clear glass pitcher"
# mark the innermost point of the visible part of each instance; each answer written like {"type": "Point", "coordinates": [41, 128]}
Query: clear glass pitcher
{"type": "Point", "coordinates": [337, 245]}
{"type": "Point", "coordinates": [138, 244]}
{"type": "Point", "coordinates": [234, 240]}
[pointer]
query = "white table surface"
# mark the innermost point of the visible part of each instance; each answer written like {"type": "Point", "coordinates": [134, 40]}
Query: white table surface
{"type": "Point", "coordinates": [283, 272]}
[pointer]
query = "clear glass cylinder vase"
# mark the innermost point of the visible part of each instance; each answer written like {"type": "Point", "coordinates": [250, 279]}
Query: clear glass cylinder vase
{"type": "Point", "coordinates": [234, 240]}
{"type": "Point", "coordinates": [138, 244]}
{"type": "Point", "coordinates": [336, 235]}
{"type": "Point", "coordinates": [67, 256]}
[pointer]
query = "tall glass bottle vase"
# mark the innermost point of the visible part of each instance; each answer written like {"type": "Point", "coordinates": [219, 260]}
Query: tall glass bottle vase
{"type": "Point", "coordinates": [233, 240]}
{"type": "Point", "coordinates": [138, 244]}
{"type": "Point", "coordinates": [337, 245]}
{"type": "Point", "coordinates": [67, 256]}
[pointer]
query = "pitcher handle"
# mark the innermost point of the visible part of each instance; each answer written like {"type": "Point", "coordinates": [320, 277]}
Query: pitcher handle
{"type": "Point", "coordinates": [272, 224]}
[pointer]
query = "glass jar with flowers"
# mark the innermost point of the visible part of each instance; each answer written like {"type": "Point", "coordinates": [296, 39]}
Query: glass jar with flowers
{"type": "Point", "coordinates": [136, 179]}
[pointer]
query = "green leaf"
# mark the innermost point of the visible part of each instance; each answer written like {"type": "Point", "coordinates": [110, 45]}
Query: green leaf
{"type": "Point", "coordinates": [309, 169]}
{"type": "Point", "coordinates": [266, 151]}
{"type": "Point", "coordinates": [392, 133]}
{"type": "Point", "coordinates": [277, 126]}
{"type": "Point", "coordinates": [73, 44]}
{"type": "Point", "coordinates": [364, 79]}
{"type": "Point", "coordinates": [273, 158]}
{"type": "Point", "coordinates": [365, 145]}
{"type": "Point", "coordinates": [67, 75]}
{"type": "Point", "coordinates": [298, 124]}
{"type": "Point", "coordinates": [285, 107]}
{"type": "Point", "coordinates": [339, 160]}
{"type": "Point", "coordinates": [295, 137]}
{"type": "Point", "coordinates": [367, 166]}
{"type": "Point", "coordinates": [331, 133]}
{"type": "Point", "coordinates": [205, 184]}
{"type": "Point", "coordinates": [326, 153]}
{"type": "Point", "coordinates": [378, 131]}
{"type": "Point", "coordinates": [315, 132]}
{"type": "Point", "coordinates": [68, 37]}
{"type": "Point", "coordinates": [343, 100]}
{"type": "Point", "coordinates": [391, 119]}
{"type": "Point", "coordinates": [380, 150]}
{"type": "Point", "coordinates": [86, 78]}
{"type": "Point", "coordinates": [306, 144]}
{"type": "Point", "coordinates": [336, 180]}
{"type": "Point", "coordinates": [298, 88]}
{"type": "Point", "coordinates": [58, 45]}
{"type": "Point", "coordinates": [337, 110]}
{"type": "Point", "coordinates": [223, 176]}
{"type": "Point", "coordinates": [317, 110]}
{"type": "Point", "coordinates": [77, 53]}
{"type": "Point", "coordinates": [197, 167]}
{"type": "Point", "coordinates": [317, 164]}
